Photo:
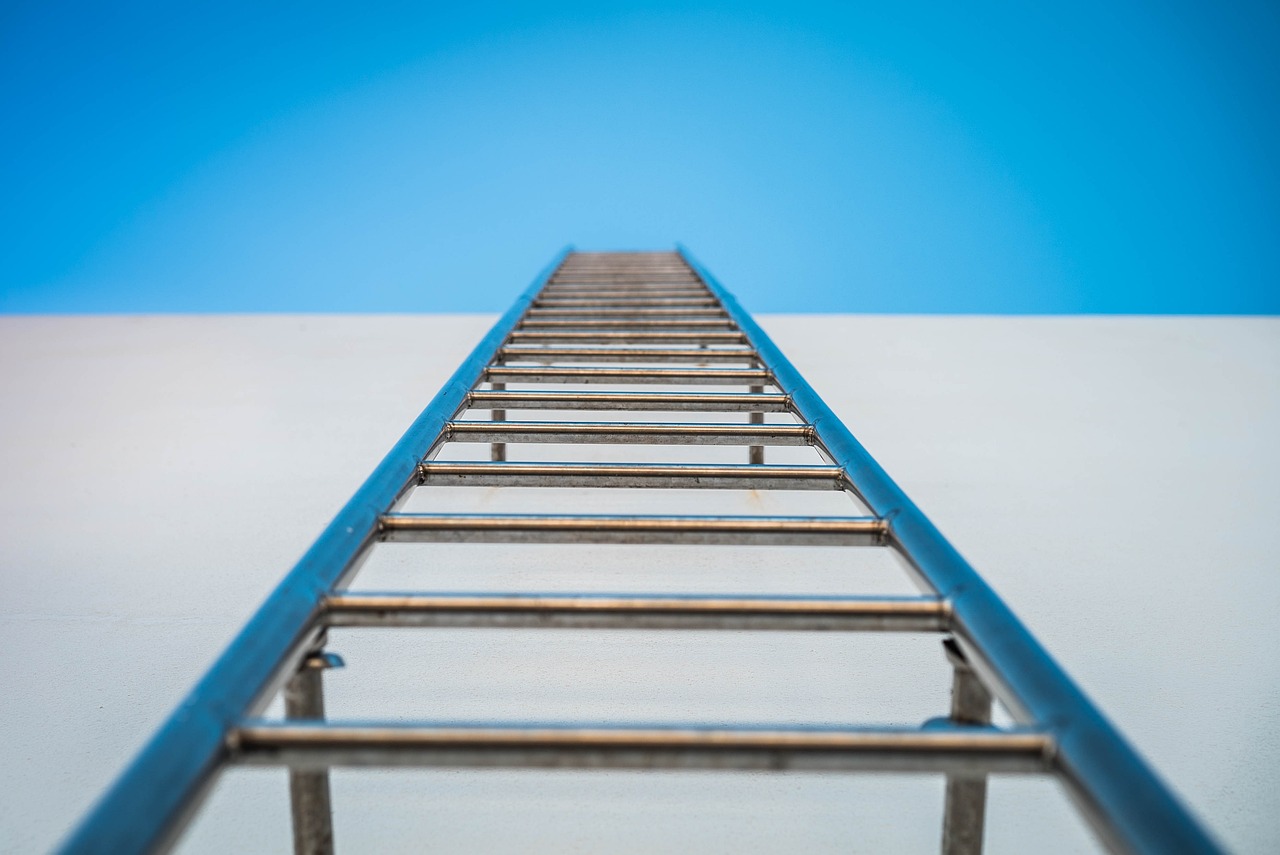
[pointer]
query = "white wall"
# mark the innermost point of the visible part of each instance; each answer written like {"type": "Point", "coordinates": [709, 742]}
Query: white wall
{"type": "Point", "coordinates": [1116, 479]}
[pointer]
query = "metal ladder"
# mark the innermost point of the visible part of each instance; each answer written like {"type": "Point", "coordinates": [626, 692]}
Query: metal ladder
{"type": "Point", "coordinates": [610, 318]}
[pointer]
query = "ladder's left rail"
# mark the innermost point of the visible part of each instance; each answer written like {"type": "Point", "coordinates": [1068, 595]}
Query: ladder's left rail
{"type": "Point", "coordinates": [148, 805]}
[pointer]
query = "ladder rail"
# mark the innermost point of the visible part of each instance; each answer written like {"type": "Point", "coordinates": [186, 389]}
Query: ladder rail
{"type": "Point", "coordinates": [1127, 804]}
{"type": "Point", "coordinates": [146, 808]}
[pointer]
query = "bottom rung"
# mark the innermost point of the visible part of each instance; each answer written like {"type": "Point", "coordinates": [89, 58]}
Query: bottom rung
{"type": "Point", "coordinates": [945, 748]}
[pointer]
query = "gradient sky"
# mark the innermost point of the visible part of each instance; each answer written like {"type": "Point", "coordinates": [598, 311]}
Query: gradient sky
{"type": "Point", "coordinates": [909, 157]}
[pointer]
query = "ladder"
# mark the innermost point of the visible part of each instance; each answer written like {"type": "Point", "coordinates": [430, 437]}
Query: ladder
{"type": "Point", "coordinates": [633, 320]}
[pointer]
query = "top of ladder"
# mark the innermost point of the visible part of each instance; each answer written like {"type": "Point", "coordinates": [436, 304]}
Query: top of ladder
{"type": "Point", "coordinates": [630, 321]}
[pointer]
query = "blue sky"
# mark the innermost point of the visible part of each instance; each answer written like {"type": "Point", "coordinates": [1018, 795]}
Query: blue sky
{"type": "Point", "coordinates": [382, 157]}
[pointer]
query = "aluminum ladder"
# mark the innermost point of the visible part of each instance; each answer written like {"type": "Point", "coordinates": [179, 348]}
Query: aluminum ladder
{"type": "Point", "coordinates": [611, 318]}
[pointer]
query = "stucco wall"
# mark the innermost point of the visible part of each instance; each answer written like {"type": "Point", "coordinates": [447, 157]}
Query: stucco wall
{"type": "Point", "coordinates": [1115, 479]}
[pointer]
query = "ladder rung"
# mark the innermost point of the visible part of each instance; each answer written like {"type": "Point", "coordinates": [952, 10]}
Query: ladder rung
{"type": "Point", "coordinates": [639, 284]}
{"type": "Point", "coordinates": [627, 288]}
{"type": "Point", "coordinates": [622, 302]}
{"type": "Point", "coordinates": [640, 280]}
{"type": "Point", "coordinates": [671, 376]}
{"type": "Point", "coordinates": [640, 324]}
{"type": "Point", "coordinates": [600, 292]}
{"type": "Point", "coordinates": [637, 280]}
{"type": "Point", "coordinates": [616, 354]}
{"type": "Point", "coordinates": [638, 611]}
{"type": "Point", "coordinates": [641, 433]}
{"type": "Point", "coordinates": [622, 312]}
{"type": "Point", "coordinates": [954, 749]}
{"type": "Point", "coordinates": [630, 337]}
{"type": "Point", "coordinates": [669, 270]}
{"type": "Point", "coordinates": [632, 528]}
{"type": "Point", "coordinates": [704, 402]}
{"type": "Point", "coordinates": [669, 476]}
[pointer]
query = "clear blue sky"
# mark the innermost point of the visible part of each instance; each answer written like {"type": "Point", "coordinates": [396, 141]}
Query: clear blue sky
{"type": "Point", "coordinates": [1012, 157]}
